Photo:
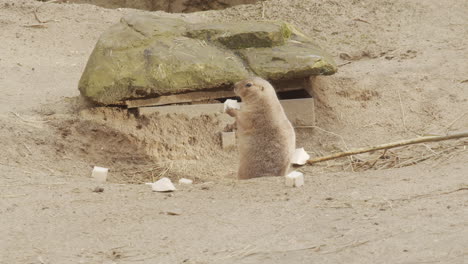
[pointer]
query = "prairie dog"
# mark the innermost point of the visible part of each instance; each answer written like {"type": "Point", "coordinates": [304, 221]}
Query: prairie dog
{"type": "Point", "coordinates": [266, 138]}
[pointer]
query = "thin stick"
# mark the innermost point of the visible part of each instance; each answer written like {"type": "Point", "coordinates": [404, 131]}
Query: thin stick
{"type": "Point", "coordinates": [388, 146]}
{"type": "Point", "coordinates": [35, 26]}
{"type": "Point", "coordinates": [346, 63]}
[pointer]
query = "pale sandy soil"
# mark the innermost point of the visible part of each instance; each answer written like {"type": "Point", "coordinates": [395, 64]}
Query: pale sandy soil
{"type": "Point", "coordinates": [403, 73]}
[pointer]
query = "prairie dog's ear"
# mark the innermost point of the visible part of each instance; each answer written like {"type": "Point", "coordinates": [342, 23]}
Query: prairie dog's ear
{"type": "Point", "coordinates": [263, 88]}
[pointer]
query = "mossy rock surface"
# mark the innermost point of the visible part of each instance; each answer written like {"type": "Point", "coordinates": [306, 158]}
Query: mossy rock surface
{"type": "Point", "coordinates": [147, 56]}
{"type": "Point", "coordinates": [242, 34]}
{"type": "Point", "coordinates": [292, 60]}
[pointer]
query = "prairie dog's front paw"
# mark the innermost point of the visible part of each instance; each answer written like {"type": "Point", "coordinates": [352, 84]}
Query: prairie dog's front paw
{"type": "Point", "coordinates": [231, 104]}
{"type": "Point", "coordinates": [231, 111]}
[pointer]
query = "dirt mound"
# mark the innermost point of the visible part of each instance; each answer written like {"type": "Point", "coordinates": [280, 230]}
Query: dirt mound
{"type": "Point", "coordinates": [136, 149]}
{"type": "Point", "coordinates": [142, 148]}
{"type": "Point", "coordinates": [97, 143]}
{"type": "Point", "coordinates": [166, 137]}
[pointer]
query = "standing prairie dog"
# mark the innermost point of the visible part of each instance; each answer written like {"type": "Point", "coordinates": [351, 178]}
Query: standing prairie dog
{"type": "Point", "coordinates": [265, 135]}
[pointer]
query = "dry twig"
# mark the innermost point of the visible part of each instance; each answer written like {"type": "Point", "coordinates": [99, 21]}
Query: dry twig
{"type": "Point", "coordinates": [388, 146]}
{"type": "Point", "coordinates": [35, 26]}
{"type": "Point", "coordinates": [346, 63]}
{"type": "Point", "coordinates": [432, 194]}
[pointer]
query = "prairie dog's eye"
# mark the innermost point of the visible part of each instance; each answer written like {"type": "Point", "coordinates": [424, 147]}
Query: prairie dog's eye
{"type": "Point", "coordinates": [248, 85]}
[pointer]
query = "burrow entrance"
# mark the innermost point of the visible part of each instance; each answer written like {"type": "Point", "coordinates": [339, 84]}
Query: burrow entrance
{"type": "Point", "coordinates": [170, 6]}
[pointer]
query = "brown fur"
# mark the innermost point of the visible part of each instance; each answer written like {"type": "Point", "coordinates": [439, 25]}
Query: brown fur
{"type": "Point", "coordinates": [265, 135]}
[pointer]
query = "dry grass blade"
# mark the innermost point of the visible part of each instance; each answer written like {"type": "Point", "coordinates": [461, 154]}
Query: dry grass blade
{"type": "Point", "coordinates": [388, 146]}
{"type": "Point", "coordinates": [454, 121]}
{"type": "Point", "coordinates": [142, 174]}
{"type": "Point", "coordinates": [417, 160]}
{"type": "Point", "coordinates": [445, 157]}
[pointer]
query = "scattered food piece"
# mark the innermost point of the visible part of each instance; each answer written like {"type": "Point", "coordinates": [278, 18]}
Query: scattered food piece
{"type": "Point", "coordinates": [100, 173]}
{"type": "Point", "coordinates": [162, 185]}
{"type": "Point", "coordinates": [300, 157]}
{"type": "Point", "coordinates": [185, 181]}
{"type": "Point", "coordinates": [229, 103]}
{"type": "Point", "coordinates": [295, 179]}
{"type": "Point", "coordinates": [98, 190]}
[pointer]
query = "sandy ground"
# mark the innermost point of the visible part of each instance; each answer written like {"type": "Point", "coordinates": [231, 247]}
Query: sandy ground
{"type": "Point", "coordinates": [402, 74]}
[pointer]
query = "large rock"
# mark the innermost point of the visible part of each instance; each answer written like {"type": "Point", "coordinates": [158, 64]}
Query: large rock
{"type": "Point", "coordinates": [147, 56]}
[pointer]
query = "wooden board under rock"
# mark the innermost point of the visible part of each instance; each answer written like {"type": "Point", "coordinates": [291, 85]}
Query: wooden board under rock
{"type": "Point", "coordinates": [280, 86]}
{"type": "Point", "coordinates": [301, 112]}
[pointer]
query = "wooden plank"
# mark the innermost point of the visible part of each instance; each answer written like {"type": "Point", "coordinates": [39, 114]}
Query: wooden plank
{"type": "Point", "coordinates": [179, 98]}
{"type": "Point", "coordinates": [301, 112]}
{"type": "Point", "coordinates": [190, 110]}
{"type": "Point", "coordinates": [281, 86]}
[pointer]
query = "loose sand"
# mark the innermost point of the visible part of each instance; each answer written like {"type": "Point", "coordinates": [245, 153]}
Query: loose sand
{"type": "Point", "coordinates": [402, 74]}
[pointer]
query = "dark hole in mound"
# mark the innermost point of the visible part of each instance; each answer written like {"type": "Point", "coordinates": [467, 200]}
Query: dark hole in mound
{"type": "Point", "coordinates": [295, 94]}
{"type": "Point", "coordinates": [222, 100]}
{"type": "Point", "coordinates": [170, 6]}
